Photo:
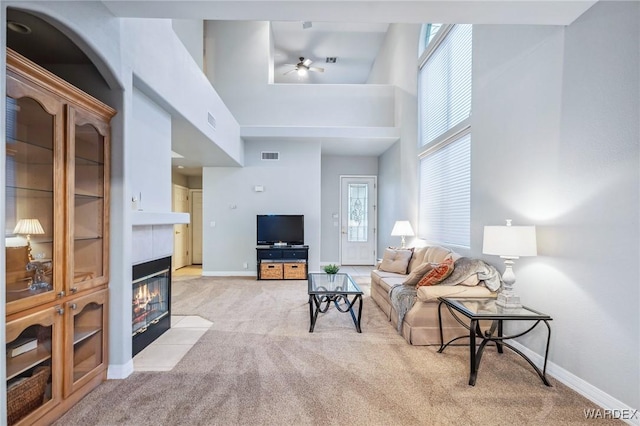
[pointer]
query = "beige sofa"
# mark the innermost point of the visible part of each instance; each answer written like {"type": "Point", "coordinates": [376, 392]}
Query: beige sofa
{"type": "Point", "coordinates": [420, 324]}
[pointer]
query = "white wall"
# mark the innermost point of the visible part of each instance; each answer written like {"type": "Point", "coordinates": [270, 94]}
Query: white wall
{"type": "Point", "coordinates": [555, 144]}
{"type": "Point", "coordinates": [398, 185]}
{"type": "Point", "coordinates": [191, 33]}
{"type": "Point", "coordinates": [390, 194]}
{"type": "Point", "coordinates": [291, 186]}
{"type": "Point", "coordinates": [151, 154]}
{"type": "Point", "coordinates": [332, 168]}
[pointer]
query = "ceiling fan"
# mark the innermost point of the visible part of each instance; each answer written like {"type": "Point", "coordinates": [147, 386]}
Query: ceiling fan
{"type": "Point", "coordinates": [303, 67]}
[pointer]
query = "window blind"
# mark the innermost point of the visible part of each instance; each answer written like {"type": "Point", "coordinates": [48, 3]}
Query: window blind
{"type": "Point", "coordinates": [445, 137]}
{"type": "Point", "coordinates": [445, 194]}
{"type": "Point", "coordinates": [445, 85]}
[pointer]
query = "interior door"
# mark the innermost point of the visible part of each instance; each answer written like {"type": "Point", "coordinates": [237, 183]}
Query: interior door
{"type": "Point", "coordinates": [181, 231]}
{"type": "Point", "coordinates": [196, 227]}
{"type": "Point", "coordinates": [358, 220]}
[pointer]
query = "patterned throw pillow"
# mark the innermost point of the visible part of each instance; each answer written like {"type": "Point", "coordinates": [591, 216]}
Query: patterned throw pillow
{"type": "Point", "coordinates": [396, 260]}
{"type": "Point", "coordinates": [438, 273]}
{"type": "Point", "coordinates": [418, 273]}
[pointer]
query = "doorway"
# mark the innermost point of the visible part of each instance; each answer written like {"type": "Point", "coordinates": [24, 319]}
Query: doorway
{"type": "Point", "coordinates": [196, 226]}
{"type": "Point", "coordinates": [358, 220]}
{"type": "Point", "coordinates": [180, 198]}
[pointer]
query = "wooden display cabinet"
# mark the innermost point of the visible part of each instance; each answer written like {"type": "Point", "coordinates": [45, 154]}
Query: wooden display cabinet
{"type": "Point", "coordinates": [57, 171]}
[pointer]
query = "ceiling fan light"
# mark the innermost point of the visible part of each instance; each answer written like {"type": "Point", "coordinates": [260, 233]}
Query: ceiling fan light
{"type": "Point", "coordinates": [302, 71]}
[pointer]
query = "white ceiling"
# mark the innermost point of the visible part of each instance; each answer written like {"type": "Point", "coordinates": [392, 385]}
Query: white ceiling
{"type": "Point", "coordinates": [541, 12]}
{"type": "Point", "coordinates": [355, 47]}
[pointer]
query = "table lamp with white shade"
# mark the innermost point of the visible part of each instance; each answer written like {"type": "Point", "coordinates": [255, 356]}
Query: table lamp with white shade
{"type": "Point", "coordinates": [509, 242]}
{"type": "Point", "coordinates": [402, 228]}
{"type": "Point", "coordinates": [28, 227]}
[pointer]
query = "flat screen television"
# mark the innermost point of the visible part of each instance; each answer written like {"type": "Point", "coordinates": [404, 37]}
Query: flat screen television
{"type": "Point", "coordinates": [280, 228]}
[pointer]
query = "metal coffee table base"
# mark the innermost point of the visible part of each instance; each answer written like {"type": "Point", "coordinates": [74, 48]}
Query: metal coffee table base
{"type": "Point", "coordinates": [321, 304]}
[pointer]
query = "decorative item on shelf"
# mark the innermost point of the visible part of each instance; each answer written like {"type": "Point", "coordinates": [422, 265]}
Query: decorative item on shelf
{"type": "Point", "coordinates": [41, 267]}
{"type": "Point", "coordinates": [509, 242]}
{"type": "Point", "coordinates": [27, 394]}
{"type": "Point", "coordinates": [331, 269]}
{"type": "Point", "coordinates": [21, 345]}
{"type": "Point", "coordinates": [28, 227]}
{"type": "Point", "coordinates": [402, 228]}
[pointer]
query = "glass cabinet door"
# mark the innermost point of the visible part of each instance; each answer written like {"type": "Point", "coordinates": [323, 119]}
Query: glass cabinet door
{"type": "Point", "coordinates": [33, 351]}
{"type": "Point", "coordinates": [88, 186]}
{"type": "Point", "coordinates": [34, 208]}
{"type": "Point", "coordinates": [86, 318]}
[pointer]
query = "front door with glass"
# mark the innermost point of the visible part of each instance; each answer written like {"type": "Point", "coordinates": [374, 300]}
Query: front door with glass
{"type": "Point", "coordinates": [358, 220]}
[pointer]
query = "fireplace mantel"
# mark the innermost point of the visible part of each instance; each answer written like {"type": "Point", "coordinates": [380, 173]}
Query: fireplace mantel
{"type": "Point", "coordinates": [141, 218]}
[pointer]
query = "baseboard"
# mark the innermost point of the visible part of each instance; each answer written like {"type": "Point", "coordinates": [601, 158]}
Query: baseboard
{"type": "Point", "coordinates": [120, 371]}
{"type": "Point", "coordinates": [610, 405]}
{"type": "Point", "coordinates": [229, 274]}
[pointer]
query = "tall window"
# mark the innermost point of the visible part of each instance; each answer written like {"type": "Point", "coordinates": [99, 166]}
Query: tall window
{"type": "Point", "coordinates": [445, 134]}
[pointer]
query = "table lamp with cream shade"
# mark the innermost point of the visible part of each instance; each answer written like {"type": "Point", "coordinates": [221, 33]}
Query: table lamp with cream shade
{"type": "Point", "coordinates": [28, 227]}
{"type": "Point", "coordinates": [402, 228]}
{"type": "Point", "coordinates": [509, 242]}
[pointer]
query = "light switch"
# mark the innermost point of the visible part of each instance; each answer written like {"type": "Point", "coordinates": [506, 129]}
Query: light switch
{"type": "Point", "coordinates": [212, 224]}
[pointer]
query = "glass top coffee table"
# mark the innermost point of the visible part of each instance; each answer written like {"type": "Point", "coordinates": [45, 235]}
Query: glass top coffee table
{"type": "Point", "coordinates": [325, 289]}
{"type": "Point", "coordinates": [482, 308]}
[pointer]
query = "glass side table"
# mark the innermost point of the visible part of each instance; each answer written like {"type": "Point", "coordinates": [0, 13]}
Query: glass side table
{"type": "Point", "coordinates": [477, 309]}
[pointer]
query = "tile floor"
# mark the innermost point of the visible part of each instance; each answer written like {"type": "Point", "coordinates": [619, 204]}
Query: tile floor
{"type": "Point", "coordinates": [185, 331]}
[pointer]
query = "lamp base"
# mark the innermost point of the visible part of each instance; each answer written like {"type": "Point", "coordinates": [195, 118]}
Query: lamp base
{"type": "Point", "coordinates": [508, 300]}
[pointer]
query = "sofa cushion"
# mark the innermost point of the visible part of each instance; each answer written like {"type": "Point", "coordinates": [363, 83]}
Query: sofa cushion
{"type": "Point", "coordinates": [438, 273]}
{"type": "Point", "coordinates": [388, 283]}
{"type": "Point", "coordinates": [395, 260]}
{"type": "Point", "coordinates": [431, 293]}
{"type": "Point", "coordinates": [437, 254]}
{"type": "Point", "coordinates": [417, 273]}
{"type": "Point", "coordinates": [417, 258]}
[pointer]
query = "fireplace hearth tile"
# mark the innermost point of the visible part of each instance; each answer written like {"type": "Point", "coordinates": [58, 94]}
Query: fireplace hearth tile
{"type": "Point", "coordinates": [181, 336]}
{"type": "Point", "coordinates": [192, 321]}
{"type": "Point", "coordinates": [159, 357]}
{"type": "Point", "coordinates": [165, 352]}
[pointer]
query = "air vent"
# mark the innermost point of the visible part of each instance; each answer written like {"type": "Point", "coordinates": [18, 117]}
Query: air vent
{"type": "Point", "coordinates": [211, 120]}
{"type": "Point", "coordinates": [331, 60]}
{"type": "Point", "coordinates": [270, 156]}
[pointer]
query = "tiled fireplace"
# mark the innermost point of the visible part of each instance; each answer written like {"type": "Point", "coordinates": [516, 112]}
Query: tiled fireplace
{"type": "Point", "coordinates": [152, 246]}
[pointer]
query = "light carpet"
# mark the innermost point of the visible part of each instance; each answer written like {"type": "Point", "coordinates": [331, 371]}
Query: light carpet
{"type": "Point", "coordinates": [259, 365]}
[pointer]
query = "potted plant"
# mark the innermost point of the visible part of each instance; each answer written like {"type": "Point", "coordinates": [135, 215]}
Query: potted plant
{"type": "Point", "coordinates": [331, 269]}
